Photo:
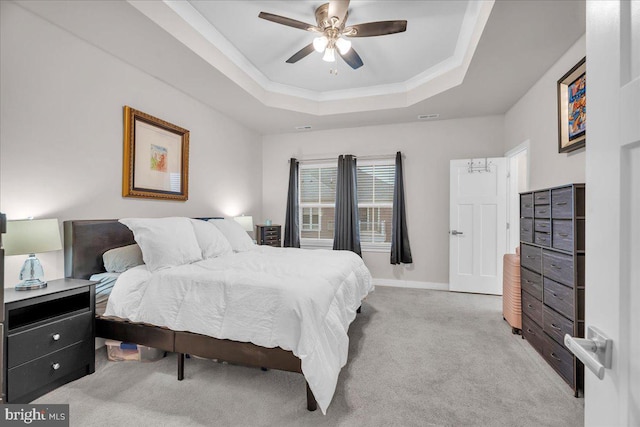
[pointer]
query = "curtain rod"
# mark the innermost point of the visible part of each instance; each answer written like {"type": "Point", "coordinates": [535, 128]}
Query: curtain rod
{"type": "Point", "coordinates": [372, 157]}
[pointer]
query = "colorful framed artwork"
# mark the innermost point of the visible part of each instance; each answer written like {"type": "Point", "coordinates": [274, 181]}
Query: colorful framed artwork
{"type": "Point", "coordinates": [572, 108]}
{"type": "Point", "coordinates": [156, 158]}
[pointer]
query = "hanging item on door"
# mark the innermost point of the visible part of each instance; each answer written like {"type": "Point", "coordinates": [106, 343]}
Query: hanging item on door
{"type": "Point", "coordinates": [479, 165]}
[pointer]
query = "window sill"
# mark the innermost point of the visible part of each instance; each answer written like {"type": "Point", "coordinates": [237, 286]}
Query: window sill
{"type": "Point", "coordinates": [328, 244]}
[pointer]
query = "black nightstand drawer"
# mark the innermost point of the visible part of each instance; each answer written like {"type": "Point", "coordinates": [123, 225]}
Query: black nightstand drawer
{"type": "Point", "coordinates": [29, 377]}
{"type": "Point", "coordinates": [269, 235]}
{"type": "Point", "coordinates": [39, 341]}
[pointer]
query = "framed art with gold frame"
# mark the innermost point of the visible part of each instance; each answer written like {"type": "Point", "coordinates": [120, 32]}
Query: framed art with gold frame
{"type": "Point", "coordinates": [156, 158]}
{"type": "Point", "coordinates": [572, 108]}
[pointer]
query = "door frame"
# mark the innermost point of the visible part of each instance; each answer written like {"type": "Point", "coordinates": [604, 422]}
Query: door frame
{"type": "Point", "coordinates": [514, 220]}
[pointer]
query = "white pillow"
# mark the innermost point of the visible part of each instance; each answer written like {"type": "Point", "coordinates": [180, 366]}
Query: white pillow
{"type": "Point", "coordinates": [165, 242]}
{"type": "Point", "coordinates": [235, 234]}
{"type": "Point", "coordinates": [121, 259]}
{"type": "Point", "coordinates": [211, 240]}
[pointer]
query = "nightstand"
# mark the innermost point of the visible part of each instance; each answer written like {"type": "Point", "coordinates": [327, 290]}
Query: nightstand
{"type": "Point", "coordinates": [49, 337]}
{"type": "Point", "coordinates": [268, 235]}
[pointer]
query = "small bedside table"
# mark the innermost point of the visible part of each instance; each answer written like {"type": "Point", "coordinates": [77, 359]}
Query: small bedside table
{"type": "Point", "coordinates": [49, 337]}
{"type": "Point", "coordinates": [268, 235]}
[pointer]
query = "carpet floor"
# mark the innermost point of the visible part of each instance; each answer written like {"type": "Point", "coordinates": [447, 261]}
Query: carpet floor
{"type": "Point", "coordinates": [416, 358]}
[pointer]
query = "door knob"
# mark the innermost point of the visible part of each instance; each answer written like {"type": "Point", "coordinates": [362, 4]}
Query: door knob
{"type": "Point", "coordinates": [595, 351]}
{"type": "Point", "coordinates": [456, 232]}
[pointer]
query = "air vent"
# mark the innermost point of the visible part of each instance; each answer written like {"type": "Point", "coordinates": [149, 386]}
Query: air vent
{"type": "Point", "coordinates": [428, 116]}
{"type": "Point", "coordinates": [305, 127]}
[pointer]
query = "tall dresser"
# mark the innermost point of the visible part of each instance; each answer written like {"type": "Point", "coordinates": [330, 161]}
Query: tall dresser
{"type": "Point", "coordinates": [552, 259]}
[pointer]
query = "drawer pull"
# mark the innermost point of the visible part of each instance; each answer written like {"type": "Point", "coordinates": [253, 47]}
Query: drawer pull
{"type": "Point", "coordinates": [55, 366]}
{"type": "Point", "coordinates": [561, 203]}
{"type": "Point", "coordinates": [555, 357]}
{"type": "Point", "coordinates": [55, 337]}
{"type": "Point", "coordinates": [527, 205]}
{"type": "Point", "coordinates": [531, 257]}
{"type": "Point", "coordinates": [542, 225]}
{"type": "Point", "coordinates": [529, 305]}
{"type": "Point", "coordinates": [528, 281]}
{"type": "Point", "coordinates": [526, 229]}
{"type": "Point", "coordinates": [555, 327]}
{"type": "Point", "coordinates": [563, 234]}
{"type": "Point", "coordinates": [541, 197]}
{"type": "Point", "coordinates": [555, 266]}
{"type": "Point", "coordinates": [542, 211]}
{"type": "Point", "coordinates": [530, 331]}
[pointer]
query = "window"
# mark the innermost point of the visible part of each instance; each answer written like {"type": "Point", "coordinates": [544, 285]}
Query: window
{"type": "Point", "coordinates": [375, 201]}
{"type": "Point", "coordinates": [317, 201]}
{"type": "Point", "coordinates": [317, 186]}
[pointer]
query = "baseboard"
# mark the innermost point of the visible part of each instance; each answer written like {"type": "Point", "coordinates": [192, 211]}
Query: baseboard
{"type": "Point", "coordinates": [411, 284]}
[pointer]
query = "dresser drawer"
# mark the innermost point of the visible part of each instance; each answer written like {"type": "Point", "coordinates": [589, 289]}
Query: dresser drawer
{"type": "Point", "coordinates": [563, 234]}
{"type": "Point", "coordinates": [36, 342]}
{"type": "Point", "coordinates": [526, 230]}
{"type": "Point", "coordinates": [559, 297]}
{"type": "Point", "coordinates": [531, 257]}
{"type": "Point", "coordinates": [543, 239]}
{"type": "Point", "coordinates": [542, 211]}
{"type": "Point", "coordinates": [558, 357]}
{"type": "Point", "coordinates": [562, 203]}
{"type": "Point", "coordinates": [36, 374]}
{"type": "Point", "coordinates": [531, 283]}
{"type": "Point", "coordinates": [543, 225]}
{"type": "Point", "coordinates": [555, 324]}
{"type": "Point", "coordinates": [541, 197]}
{"type": "Point", "coordinates": [558, 267]}
{"type": "Point", "coordinates": [526, 205]}
{"type": "Point", "coordinates": [532, 308]}
{"type": "Point", "coordinates": [532, 333]}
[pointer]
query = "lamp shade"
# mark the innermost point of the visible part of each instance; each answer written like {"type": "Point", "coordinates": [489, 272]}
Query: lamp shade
{"type": "Point", "coordinates": [245, 221]}
{"type": "Point", "coordinates": [32, 236]}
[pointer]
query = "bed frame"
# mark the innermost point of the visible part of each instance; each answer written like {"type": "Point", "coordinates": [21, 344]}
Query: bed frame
{"type": "Point", "coordinates": [84, 243]}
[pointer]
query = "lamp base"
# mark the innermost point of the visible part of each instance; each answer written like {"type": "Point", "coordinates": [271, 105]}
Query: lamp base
{"type": "Point", "coordinates": [28, 285]}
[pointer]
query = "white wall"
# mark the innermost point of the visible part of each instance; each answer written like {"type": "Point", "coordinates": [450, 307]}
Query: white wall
{"type": "Point", "coordinates": [61, 136]}
{"type": "Point", "coordinates": [534, 118]}
{"type": "Point", "coordinates": [428, 147]}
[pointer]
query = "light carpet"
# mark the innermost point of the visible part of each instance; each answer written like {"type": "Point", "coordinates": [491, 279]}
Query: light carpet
{"type": "Point", "coordinates": [416, 358]}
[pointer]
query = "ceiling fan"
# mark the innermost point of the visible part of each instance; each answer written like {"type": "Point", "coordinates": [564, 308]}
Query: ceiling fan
{"type": "Point", "coordinates": [331, 26]}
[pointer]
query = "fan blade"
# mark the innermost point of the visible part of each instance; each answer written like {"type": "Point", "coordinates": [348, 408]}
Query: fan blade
{"type": "Point", "coordinates": [352, 58]}
{"type": "Point", "coordinates": [381, 28]}
{"type": "Point", "coordinates": [301, 54]}
{"type": "Point", "coordinates": [338, 8]}
{"type": "Point", "coordinates": [287, 21]}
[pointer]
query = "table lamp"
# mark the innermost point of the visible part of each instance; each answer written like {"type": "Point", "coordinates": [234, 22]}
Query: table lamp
{"type": "Point", "coordinates": [31, 236]}
{"type": "Point", "coordinates": [245, 221]}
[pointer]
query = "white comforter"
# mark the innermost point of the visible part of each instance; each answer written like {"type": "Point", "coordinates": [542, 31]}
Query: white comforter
{"type": "Point", "coordinates": [300, 300]}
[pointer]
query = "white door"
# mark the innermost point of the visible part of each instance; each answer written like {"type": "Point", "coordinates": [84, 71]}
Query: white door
{"type": "Point", "coordinates": [477, 225]}
{"type": "Point", "coordinates": [612, 294]}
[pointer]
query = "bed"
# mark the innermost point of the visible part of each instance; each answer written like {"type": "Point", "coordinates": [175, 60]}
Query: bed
{"type": "Point", "coordinates": [85, 243]}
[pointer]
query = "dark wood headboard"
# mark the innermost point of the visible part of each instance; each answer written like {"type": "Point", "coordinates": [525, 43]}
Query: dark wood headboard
{"type": "Point", "coordinates": [86, 240]}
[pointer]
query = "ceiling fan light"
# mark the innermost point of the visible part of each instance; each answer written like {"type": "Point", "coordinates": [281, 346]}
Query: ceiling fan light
{"type": "Point", "coordinates": [320, 43]}
{"type": "Point", "coordinates": [343, 45]}
{"type": "Point", "coordinates": [329, 55]}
